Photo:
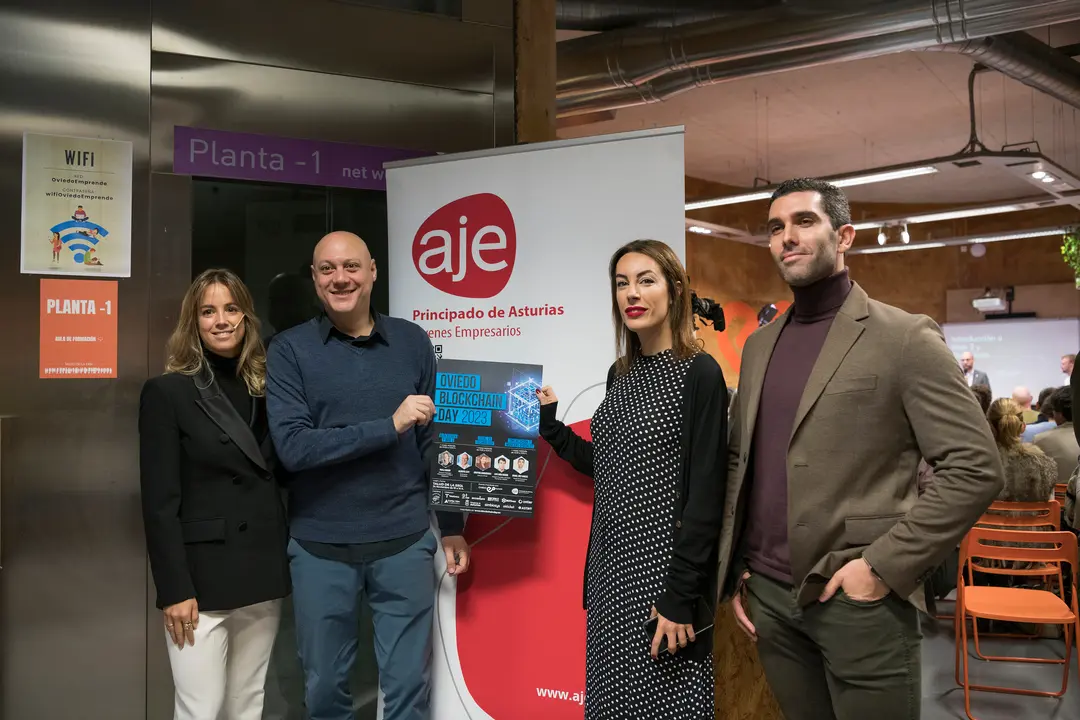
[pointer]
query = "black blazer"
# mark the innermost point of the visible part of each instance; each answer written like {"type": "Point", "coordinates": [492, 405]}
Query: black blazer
{"type": "Point", "coordinates": [215, 523]}
{"type": "Point", "coordinates": [691, 585]}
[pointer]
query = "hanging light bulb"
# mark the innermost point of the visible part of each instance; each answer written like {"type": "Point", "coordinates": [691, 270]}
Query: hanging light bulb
{"type": "Point", "coordinates": [905, 236]}
{"type": "Point", "coordinates": [881, 237]}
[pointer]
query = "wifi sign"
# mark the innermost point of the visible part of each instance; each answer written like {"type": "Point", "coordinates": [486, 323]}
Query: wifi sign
{"type": "Point", "coordinates": [79, 235]}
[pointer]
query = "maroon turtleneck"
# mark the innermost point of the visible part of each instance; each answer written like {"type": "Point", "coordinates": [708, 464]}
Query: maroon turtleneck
{"type": "Point", "coordinates": [793, 358]}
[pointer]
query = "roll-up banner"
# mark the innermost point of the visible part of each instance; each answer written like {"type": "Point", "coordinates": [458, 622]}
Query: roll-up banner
{"type": "Point", "coordinates": [502, 257]}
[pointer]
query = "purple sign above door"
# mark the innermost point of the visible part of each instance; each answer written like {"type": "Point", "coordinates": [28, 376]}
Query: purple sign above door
{"type": "Point", "coordinates": [265, 158]}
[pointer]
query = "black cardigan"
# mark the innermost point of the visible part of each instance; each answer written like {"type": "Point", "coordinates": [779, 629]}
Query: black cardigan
{"type": "Point", "coordinates": [692, 574]}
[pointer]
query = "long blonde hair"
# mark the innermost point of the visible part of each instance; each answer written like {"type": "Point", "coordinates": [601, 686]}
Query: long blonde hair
{"type": "Point", "coordinates": [680, 317]}
{"type": "Point", "coordinates": [1006, 423]}
{"type": "Point", "coordinates": [185, 348]}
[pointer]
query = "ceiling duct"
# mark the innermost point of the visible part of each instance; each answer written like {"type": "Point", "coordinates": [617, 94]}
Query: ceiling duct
{"type": "Point", "coordinates": [636, 67]}
{"type": "Point", "coordinates": [1023, 58]}
{"type": "Point", "coordinates": [606, 15]}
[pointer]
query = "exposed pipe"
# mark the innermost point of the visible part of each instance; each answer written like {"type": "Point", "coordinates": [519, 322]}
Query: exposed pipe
{"type": "Point", "coordinates": [636, 68]}
{"type": "Point", "coordinates": [1023, 58]}
{"type": "Point", "coordinates": [605, 15]}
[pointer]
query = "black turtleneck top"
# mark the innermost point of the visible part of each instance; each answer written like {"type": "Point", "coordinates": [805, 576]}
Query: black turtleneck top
{"type": "Point", "coordinates": [792, 360]}
{"type": "Point", "coordinates": [234, 388]}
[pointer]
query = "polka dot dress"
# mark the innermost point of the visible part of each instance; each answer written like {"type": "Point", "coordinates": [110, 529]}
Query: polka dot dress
{"type": "Point", "coordinates": [636, 454]}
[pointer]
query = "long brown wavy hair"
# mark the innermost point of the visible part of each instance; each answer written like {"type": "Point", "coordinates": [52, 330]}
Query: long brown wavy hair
{"type": "Point", "coordinates": [185, 348]}
{"type": "Point", "coordinates": [680, 317]}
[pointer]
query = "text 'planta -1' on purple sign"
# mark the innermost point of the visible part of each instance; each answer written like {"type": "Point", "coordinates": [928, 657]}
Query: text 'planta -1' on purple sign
{"type": "Point", "coordinates": [266, 158]}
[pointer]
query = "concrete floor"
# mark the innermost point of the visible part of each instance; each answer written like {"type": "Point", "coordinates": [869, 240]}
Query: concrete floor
{"type": "Point", "coordinates": [944, 700]}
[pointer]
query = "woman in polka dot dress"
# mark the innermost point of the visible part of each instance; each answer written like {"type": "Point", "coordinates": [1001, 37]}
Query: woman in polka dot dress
{"type": "Point", "coordinates": [658, 461]}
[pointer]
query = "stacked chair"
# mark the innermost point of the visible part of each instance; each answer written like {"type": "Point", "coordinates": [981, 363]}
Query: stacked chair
{"type": "Point", "coordinates": [1019, 540]}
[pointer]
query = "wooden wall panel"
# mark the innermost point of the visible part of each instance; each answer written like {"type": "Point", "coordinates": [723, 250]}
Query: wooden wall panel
{"type": "Point", "coordinates": [1056, 300]}
{"type": "Point", "coordinates": [919, 280]}
{"type": "Point", "coordinates": [741, 690]}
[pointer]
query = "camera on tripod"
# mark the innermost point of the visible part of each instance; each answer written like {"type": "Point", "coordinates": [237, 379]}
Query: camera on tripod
{"type": "Point", "coordinates": [708, 310]}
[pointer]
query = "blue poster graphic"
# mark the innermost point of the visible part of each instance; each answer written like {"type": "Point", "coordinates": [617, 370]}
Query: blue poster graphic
{"type": "Point", "coordinates": [487, 419]}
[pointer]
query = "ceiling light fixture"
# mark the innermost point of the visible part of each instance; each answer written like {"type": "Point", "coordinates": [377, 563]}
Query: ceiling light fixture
{"type": "Point", "coordinates": [905, 236]}
{"type": "Point", "coordinates": [849, 181]}
{"type": "Point", "coordinates": [975, 240]}
{"type": "Point", "coordinates": [1048, 179]}
{"type": "Point", "coordinates": [699, 230]}
{"type": "Point", "coordinates": [886, 176]}
{"type": "Point", "coordinates": [895, 248]}
{"type": "Point", "coordinates": [949, 215]}
{"type": "Point", "coordinates": [881, 237]}
{"type": "Point", "coordinates": [733, 200]}
{"type": "Point", "coordinates": [1038, 174]}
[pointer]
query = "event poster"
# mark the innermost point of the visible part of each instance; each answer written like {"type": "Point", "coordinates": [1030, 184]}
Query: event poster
{"type": "Point", "coordinates": [487, 418]}
{"type": "Point", "coordinates": [76, 206]}
{"type": "Point", "coordinates": [78, 329]}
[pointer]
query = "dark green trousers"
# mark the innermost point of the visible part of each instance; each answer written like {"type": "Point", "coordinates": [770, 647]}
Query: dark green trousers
{"type": "Point", "coordinates": [839, 660]}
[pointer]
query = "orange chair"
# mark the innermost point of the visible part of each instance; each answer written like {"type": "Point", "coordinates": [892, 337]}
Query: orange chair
{"type": "Point", "coordinates": [1038, 515]}
{"type": "Point", "coordinates": [1045, 516]}
{"type": "Point", "coordinates": [1014, 604]}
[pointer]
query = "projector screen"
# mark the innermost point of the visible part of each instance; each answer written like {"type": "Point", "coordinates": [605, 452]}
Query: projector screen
{"type": "Point", "coordinates": [1017, 352]}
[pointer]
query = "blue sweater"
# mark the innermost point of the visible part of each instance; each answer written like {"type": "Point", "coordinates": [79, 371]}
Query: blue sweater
{"type": "Point", "coordinates": [330, 401]}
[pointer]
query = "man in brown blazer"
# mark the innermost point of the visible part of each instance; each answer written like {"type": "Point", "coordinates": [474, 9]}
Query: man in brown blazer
{"type": "Point", "coordinates": [826, 542]}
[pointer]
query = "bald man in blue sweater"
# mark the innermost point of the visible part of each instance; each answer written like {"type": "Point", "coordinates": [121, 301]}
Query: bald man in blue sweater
{"type": "Point", "coordinates": [349, 399]}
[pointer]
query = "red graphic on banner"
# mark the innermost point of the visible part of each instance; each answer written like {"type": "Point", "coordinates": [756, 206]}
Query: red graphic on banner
{"type": "Point", "coordinates": [520, 624]}
{"type": "Point", "coordinates": [467, 248]}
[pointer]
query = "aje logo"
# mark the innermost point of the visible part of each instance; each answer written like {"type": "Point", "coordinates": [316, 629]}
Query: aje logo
{"type": "Point", "coordinates": [467, 247]}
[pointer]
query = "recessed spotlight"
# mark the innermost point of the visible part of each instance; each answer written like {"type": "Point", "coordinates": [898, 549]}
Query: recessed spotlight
{"type": "Point", "coordinates": [1038, 174]}
{"type": "Point", "coordinates": [1048, 179]}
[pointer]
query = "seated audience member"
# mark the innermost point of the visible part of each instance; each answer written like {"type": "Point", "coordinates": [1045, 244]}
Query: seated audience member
{"type": "Point", "coordinates": [1074, 392]}
{"type": "Point", "coordinates": [1069, 510]}
{"type": "Point", "coordinates": [1022, 397]}
{"type": "Point", "coordinates": [1044, 395]}
{"type": "Point", "coordinates": [1060, 443]}
{"type": "Point", "coordinates": [1029, 474]}
{"type": "Point", "coordinates": [926, 473]}
{"type": "Point", "coordinates": [1045, 419]}
{"type": "Point", "coordinates": [1067, 363]}
{"type": "Point", "coordinates": [984, 396]}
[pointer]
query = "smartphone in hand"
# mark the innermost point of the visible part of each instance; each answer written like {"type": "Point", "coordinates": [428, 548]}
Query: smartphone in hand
{"type": "Point", "coordinates": [650, 630]}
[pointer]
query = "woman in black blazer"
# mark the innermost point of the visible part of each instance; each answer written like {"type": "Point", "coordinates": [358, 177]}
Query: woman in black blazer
{"type": "Point", "coordinates": [214, 519]}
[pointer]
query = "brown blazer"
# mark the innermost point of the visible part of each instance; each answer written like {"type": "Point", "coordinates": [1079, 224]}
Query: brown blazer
{"type": "Point", "coordinates": [885, 391]}
{"type": "Point", "coordinates": [1060, 444]}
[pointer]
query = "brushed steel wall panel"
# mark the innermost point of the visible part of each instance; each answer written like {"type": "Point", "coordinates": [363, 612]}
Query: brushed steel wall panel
{"type": "Point", "coordinates": [330, 37]}
{"type": "Point", "coordinates": [72, 588]}
{"type": "Point", "coordinates": [294, 103]}
{"type": "Point", "coordinates": [170, 275]}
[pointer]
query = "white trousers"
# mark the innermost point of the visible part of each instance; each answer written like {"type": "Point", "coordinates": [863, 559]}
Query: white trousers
{"type": "Point", "coordinates": [221, 676]}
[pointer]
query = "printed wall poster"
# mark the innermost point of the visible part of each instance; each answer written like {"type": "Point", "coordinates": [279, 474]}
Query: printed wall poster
{"type": "Point", "coordinates": [76, 206]}
{"type": "Point", "coordinates": [487, 418]}
{"type": "Point", "coordinates": [78, 329]}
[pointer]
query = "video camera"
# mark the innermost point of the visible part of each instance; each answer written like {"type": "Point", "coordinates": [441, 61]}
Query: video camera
{"type": "Point", "coordinates": [708, 310]}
